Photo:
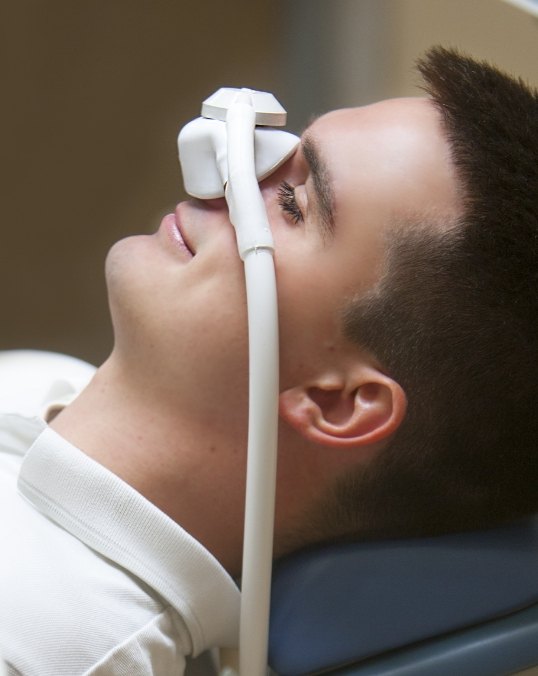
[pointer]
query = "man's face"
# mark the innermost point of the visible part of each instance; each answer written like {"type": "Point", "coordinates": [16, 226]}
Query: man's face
{"type": "Point", "coordinates": [180, 320]}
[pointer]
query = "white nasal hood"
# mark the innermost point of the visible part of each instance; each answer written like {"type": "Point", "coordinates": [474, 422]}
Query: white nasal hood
{"type": "Point", "coordinates": [202, 144]}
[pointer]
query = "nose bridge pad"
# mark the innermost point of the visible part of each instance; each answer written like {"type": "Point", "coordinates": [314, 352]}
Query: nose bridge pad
{"type": "Point", "coordinates": [272, 148]}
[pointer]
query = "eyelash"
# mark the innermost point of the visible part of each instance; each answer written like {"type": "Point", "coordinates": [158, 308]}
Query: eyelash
{"type": "Point", "coordinates": [287, 201]}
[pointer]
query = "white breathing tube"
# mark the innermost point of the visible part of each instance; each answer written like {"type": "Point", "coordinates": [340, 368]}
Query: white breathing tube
{"type": "Point", "coordinates": [208, 165]}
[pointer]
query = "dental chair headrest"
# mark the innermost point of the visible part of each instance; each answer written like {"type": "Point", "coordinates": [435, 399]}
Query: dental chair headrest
{"type": "Point", "coordinates": [346, 603]}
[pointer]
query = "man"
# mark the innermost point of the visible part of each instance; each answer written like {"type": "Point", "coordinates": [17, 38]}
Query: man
{"type": "Point", "coordinates": [405, 236]}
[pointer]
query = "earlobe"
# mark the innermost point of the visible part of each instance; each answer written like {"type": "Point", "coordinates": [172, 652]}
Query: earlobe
{"type": "Point", "coordinates": [335, 415]}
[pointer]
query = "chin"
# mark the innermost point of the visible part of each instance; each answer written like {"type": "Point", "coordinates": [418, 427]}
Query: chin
{"type": "Point", "coordinates": [124, 280]}
{"type": "Point", "coordinates": [130, 270]}
{"type": "Point", "coordinates": [120, 259]}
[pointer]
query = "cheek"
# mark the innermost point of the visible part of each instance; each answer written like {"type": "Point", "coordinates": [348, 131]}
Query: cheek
{"type": "Point", "coordinates": [308, 317]}
{"type": "Point", "coordinates": [180, 327]}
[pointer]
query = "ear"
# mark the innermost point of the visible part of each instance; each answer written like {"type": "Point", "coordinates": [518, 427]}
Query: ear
{"type": "Point", "coordinates": [363, 409]}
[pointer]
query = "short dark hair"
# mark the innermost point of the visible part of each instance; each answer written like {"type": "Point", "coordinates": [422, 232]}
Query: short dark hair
{"type": "Point", "coordinates": [454, 320]}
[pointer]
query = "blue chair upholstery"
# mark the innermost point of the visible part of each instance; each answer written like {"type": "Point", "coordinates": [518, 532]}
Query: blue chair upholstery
{"type": "Point", "coordinates": [454, 604]}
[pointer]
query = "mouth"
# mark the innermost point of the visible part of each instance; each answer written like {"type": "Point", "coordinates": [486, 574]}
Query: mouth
{"type": "Point", "coordinates": [182, 236]}
{"type": "Point", "coordinates": [175, 235]}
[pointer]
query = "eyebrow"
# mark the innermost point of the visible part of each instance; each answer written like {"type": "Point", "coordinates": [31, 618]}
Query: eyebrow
{"type": "Point", "coordinates": [322, 185]}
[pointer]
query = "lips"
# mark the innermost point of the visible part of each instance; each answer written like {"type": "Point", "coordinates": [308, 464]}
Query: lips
{"type": "Point", "coordinates": [172, 233]}
{"type": "Point", "coordinates": [183, 238]}
{"type": "Point", "coordinates": [181, 229]}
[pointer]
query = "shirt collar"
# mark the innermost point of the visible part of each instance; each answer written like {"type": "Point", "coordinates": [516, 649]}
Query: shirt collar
{"type": "Point", "coordinates": [112, 518]}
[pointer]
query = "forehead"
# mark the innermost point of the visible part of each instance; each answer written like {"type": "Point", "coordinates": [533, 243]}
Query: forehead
{"type": "Point", "coordinates": [394, 121]}
{"type": "Point", "coordinates": [392, 154]}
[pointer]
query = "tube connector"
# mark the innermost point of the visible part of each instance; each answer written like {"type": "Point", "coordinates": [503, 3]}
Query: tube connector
{"type": "Point", "coordinates": [269, 112]}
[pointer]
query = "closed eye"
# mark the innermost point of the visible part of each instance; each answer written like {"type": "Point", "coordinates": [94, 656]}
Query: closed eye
{"type": "Point", "coordinates": [288, 202]}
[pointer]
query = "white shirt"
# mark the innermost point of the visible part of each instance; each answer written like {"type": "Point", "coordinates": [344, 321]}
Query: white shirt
{"type": "Point", "coordinates": [94, 579]}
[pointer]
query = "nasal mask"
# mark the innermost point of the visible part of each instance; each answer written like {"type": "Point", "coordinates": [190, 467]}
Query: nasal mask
{"type": "Point", "coordinates": [226, 152]}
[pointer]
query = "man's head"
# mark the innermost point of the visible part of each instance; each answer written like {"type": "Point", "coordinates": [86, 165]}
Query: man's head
{"type": "Point", "coordinates": [454, 319]}
{"type": "Point", "coordinates": [366, 218]}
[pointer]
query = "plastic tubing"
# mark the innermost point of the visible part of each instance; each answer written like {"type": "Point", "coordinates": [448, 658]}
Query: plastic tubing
{"type": "Point", "coordinates": [255, 244]}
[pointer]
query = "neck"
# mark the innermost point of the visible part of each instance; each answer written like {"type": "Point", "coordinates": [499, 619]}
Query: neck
{"type": "Point", "coordinates": [173, 460]}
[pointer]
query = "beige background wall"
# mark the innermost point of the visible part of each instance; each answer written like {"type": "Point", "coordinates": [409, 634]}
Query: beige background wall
{"type": "Point", "coordinates": [488, 29]}
{"type": "Point", "coordinates": [94, 92]}
{"type": "Point", "coordinates": [93, 95]}
{"type": "Point", "coordinates": [398, 31]}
